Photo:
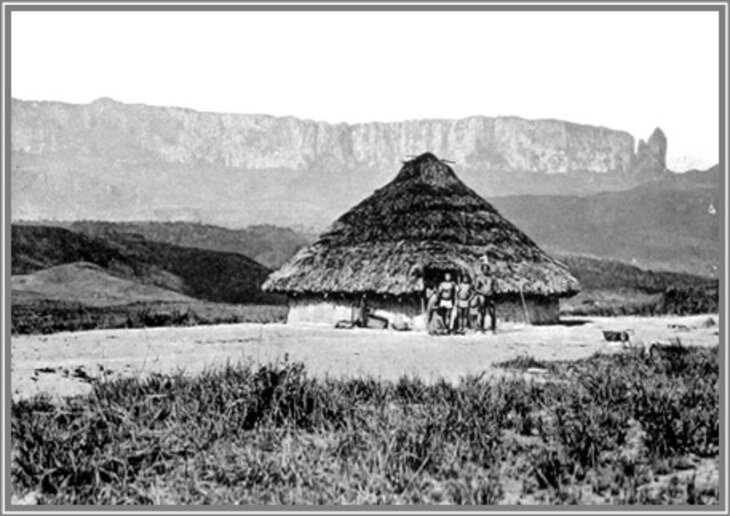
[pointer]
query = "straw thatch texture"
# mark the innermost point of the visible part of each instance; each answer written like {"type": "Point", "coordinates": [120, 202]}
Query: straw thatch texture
{"type": "Point", "coordinates": [425, 217]}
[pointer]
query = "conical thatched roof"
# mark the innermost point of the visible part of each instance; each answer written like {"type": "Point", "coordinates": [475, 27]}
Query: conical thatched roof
{"type": "Point", "coordinates": [425, 217]}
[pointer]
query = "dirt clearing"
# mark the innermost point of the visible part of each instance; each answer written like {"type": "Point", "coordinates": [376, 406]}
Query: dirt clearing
{"type": "Point", "coordinates": [62, 364]}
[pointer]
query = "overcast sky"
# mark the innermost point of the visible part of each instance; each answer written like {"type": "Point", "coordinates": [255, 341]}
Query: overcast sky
{"type": "Point", "coordinates": [630, 71]}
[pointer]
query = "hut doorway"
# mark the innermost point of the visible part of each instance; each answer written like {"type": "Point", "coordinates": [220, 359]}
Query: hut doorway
{"type": "Point", "coordinates": [432, 277]}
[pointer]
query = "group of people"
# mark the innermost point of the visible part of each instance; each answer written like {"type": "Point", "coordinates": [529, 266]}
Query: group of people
{"type": "Point", "coordinates": [455, 307]}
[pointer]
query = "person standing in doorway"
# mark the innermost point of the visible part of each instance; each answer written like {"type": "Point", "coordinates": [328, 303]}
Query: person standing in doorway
{"type": "Point", "coordinates": [446, 299]}
{"type": "Point", "coordinates": [464, 293]}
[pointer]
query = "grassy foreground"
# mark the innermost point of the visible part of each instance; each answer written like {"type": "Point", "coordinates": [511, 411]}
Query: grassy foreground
{"type": "Point", "coordinates": [603, 430]}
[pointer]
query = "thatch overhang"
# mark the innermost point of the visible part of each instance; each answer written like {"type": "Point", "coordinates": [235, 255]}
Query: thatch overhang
{"type": "Point", "coordinates": [425, 218]}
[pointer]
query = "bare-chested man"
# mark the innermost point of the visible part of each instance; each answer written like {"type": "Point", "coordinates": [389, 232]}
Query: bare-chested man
{"type": "Point", "coordinates": [446, 291]}
{"type": "Point", "coordinates": [464, 294]}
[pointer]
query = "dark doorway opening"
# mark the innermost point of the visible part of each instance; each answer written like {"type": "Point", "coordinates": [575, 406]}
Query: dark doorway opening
{"type": "Point", "coordinates": [432, 276]}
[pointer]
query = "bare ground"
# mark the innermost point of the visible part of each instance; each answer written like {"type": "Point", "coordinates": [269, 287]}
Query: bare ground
{"type": "Point", "coordinates": [61, 364]}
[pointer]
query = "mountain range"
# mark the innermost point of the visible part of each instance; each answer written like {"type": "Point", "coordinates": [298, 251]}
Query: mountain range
{"type": "Point", "coordinates": [573, 188]}
{"type": "Point", "coordinates": [114, 161]}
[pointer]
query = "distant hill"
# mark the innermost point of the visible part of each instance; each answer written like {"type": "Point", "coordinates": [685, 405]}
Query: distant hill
{"type": "Point", "coordinates": [195, 272]}
{"type": "Point", "coordinates": [35, 247]}
{"type": "Point", "coordinates": [87, 284]}
{"type": "Point", "coordinates": [271, 246]}
{"type": "Point", "coordinates": [610, 287]}
{"type": "Point", "coordinates": [666, 225]}
{"type": "Point", "coordinates": [602, 274]}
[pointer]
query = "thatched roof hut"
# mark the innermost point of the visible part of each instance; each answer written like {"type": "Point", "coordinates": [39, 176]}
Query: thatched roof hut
{"type": "Point", "coordinates": [426, 218]}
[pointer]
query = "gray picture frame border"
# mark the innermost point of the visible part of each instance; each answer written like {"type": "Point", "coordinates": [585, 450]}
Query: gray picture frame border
{"type": "Point", "coordinates": [8, 7]}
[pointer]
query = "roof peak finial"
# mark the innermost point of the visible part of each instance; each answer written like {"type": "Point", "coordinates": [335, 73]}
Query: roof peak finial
{"type": "Point", "coordinates": [427, 168]}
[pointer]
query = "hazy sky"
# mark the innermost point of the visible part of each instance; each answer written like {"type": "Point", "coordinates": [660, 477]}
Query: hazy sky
{"type": "Point", "coordinates": [630, 71]}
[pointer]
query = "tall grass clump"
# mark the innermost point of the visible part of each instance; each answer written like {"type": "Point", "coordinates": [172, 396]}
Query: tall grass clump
{"type": "Point", "coordinates": [273, 434]}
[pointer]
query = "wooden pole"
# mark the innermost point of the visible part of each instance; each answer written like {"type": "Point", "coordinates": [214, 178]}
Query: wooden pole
{"type": "Point", "coordinates": [524, 305]}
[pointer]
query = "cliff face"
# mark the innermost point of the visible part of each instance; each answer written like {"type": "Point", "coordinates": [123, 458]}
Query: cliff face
{"type": "Point", "coordinates": [130, 131]}
{"type": "Point", "coordinates": [133, 159]}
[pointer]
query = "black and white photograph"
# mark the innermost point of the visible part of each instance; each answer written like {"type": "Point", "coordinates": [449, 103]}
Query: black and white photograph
{"type": "Point", "coordinates": [364, 254]}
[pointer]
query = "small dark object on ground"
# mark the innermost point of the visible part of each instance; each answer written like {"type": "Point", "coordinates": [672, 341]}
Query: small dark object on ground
{"type": "Point", "coordinates": [81, 374]}
{"type": "Point", "coordinates": [45, 370]}
{"type": "Point", "coordinates": [678, 327]}
{"type": "Point", "coordinates": [400, 326]}
{"type": "Point", "coordinates": [379, 323]}
{"type": "Point", "coordinates": [375, 322]}
{"type": "Point", "coordinates": [439, 331]}
{"type": "Point", "coordinates": [617, 336]}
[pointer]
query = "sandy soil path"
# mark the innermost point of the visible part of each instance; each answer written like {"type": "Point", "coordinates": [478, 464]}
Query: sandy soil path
{"type": "Point", "coordinates": [57, 364]}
